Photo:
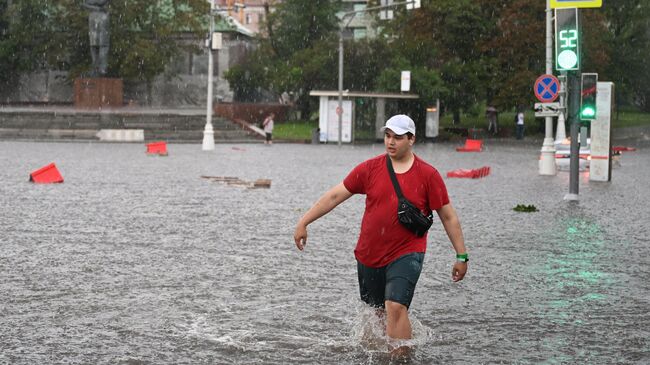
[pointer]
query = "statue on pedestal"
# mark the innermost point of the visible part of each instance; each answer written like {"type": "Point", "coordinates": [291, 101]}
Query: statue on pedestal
{"type": "Point", "coordinates": [99, 33]}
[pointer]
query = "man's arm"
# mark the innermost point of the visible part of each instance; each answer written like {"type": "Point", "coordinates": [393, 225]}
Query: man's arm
{"type": "Point", "coordinates": [333, 197]}
{"type": "Point", "coordinates": [451, 223]}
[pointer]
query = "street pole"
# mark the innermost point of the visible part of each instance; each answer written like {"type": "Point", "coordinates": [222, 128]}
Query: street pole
{"type": "Point", "coordinates": [574, 123]}
{"type": "Point", "coordinates": [208, 133]}
{"type": "Point", "coordinates": [547, 164]}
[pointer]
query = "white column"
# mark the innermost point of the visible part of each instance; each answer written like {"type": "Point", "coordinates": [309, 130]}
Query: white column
{"type": "Point", "coordinates": [208, 132]}
{"type": "Point", "coordinates": [547, 159]}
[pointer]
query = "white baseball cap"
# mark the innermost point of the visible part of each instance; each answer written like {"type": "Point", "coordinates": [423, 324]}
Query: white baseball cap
{"type": "Point", "coordinates": [400, 124]}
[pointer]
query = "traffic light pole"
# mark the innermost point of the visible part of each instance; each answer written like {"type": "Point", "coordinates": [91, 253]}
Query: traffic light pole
{"type": "Point", "coordinates": [573, 82]}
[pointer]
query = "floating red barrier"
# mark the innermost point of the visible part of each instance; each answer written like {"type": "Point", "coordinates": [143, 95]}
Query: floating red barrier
{"type": "Point", "coordinates": [471, 145]}
{"type": "Point", "coordinates": [471, 174]}
{"type": "Point", "coordinates": [46, 175]}
{"type": "Point", "coordinates": [622, 148]}
{"type": "Point", "coordinates": [157, 148]}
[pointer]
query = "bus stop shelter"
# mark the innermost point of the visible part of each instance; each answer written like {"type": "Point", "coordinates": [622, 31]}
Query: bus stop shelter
{"type": "Point", "coordinates": [328, 119]}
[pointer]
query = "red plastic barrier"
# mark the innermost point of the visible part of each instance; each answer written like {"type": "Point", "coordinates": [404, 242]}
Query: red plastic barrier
{"type": "Point", "coordinates": [46, 175]}
{"type": "Point", "coordinates": [471, 174]}
{"type": "Point", "coordinates": [471, 145]}
{"type": "Point", "coordinates": [622, 148]}
{"type": "Point", "coordinates": [157, 148]}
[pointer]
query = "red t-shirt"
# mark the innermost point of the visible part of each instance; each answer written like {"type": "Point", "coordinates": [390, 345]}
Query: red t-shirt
{"type": "Point", "coordinates": [383, 238]}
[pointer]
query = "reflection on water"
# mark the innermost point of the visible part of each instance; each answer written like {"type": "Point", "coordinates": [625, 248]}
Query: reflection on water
{"type": "Point", "coordinates": [136, 259]}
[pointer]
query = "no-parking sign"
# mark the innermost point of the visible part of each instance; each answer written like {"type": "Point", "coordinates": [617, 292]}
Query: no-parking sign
{"type": "Point", "coordinates": [547, 88]}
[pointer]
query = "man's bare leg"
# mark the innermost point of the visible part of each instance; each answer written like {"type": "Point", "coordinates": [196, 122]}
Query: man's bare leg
{"type": "Point", "coordinates": [398, 325]}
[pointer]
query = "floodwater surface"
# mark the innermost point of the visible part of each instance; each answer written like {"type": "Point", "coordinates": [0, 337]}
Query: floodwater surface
{"type": "Point", "coordinates": [139, 260]}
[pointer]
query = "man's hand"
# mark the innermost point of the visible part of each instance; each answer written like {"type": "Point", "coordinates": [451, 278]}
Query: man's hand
{"type": "Point", "coordinates": [458, 272]}
{"type": "Point", "coordinates": [300, 236]}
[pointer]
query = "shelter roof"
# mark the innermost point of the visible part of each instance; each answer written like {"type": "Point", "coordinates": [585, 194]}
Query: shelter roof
{"type": "Point", "coordinates": [364, 94]}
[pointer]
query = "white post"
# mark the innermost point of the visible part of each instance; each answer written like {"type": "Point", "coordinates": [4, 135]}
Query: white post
{"type": "Point", "coordinates": [208, 133]}
{"type": "Point", "coordinates": [560, 135]}
{"type": "Point", "coordinates": [547, 161]}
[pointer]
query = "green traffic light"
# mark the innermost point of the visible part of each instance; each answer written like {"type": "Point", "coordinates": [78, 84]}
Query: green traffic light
{"type": "Point", "coordinates": [567, 60]}
{"type": "Point", "coordinates": [588, 112]}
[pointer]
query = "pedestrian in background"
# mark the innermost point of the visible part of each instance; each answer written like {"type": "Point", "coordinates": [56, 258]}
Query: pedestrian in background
{"type": "Point", "coordinates": [268, 128]}
{"type": "Point", "coordinates": [491, 114]}
{"type": "Point", "coordinates": [519, 123]}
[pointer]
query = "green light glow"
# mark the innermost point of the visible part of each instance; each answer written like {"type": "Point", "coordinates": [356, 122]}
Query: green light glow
{"type": "Point", "coordinates": [567, 59]}
{"type": "Point", "coordinates": [588, 112]}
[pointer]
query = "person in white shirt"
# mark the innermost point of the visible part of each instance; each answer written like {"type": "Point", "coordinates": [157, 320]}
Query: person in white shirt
{"type": "Point", "coordinates": [268, 128]}
{"type": "Point", "coordinates": [519, 120]}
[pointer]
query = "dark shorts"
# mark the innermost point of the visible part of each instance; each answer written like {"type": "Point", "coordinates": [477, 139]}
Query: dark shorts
{"type": "Point", "coordinates": [269, 136]}
{"type": "Point", "coordinates": [395, 281]}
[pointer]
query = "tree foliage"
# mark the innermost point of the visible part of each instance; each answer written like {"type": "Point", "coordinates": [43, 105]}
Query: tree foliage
{"type": "Point", "coordinates": [48, 34]}
{"type": "Point", "coordinates": [629, 38]}
{"type": "Point", "coordinates": [296, 55]}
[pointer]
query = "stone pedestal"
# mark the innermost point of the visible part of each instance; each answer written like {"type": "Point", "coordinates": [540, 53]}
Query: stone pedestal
{"type": "Point", "coordinates": [98, 93]}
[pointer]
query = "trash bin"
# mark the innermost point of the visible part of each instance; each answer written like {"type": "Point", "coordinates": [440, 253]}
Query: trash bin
{"type": "Point", "coordinates": [315, 136]}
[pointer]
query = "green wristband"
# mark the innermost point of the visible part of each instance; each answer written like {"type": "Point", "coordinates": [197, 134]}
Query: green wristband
{"type": "Point", "coordinates": [462, 257]}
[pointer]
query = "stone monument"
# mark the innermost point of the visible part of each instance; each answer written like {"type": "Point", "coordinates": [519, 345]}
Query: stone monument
{"type": "Point", "coordinates": [97, 90]}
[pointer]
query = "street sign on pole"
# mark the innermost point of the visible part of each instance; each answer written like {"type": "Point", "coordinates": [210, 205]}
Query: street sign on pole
{"type": "Point", "coordinates": [406, 81]}
{"type": "Point", "coordinates": [547, 88]}
{"type": "Point", "coordinates": [547, 109]}
{"type": "Point", "coordinates": [558, 4]}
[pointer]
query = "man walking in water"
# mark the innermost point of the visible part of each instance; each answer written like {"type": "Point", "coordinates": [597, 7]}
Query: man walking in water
{"type": "Point", "coordinates": [389, 255]}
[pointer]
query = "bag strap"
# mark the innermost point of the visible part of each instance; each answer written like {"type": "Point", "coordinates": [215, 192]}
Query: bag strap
{"type": "Point", "coordinates": [393, 178]}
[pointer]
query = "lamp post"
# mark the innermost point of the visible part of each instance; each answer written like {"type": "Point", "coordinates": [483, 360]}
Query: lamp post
{"type": "Point", "coordinates": [208, 132]}
{"type": "Point", "coordinates": [339, 110]}
{"type": "Point", "coordinates": [213, 43]}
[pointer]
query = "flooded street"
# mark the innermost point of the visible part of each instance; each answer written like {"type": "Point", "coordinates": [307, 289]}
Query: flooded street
{"type": "Point", "coordinates": [138, 260]}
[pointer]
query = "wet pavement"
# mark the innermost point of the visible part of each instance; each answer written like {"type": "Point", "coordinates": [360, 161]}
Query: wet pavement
{"type": "Point", "coordinates": [138, 260]}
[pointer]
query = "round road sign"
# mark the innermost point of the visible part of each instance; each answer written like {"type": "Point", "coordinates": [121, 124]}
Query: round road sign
{"type": "Point", "coordinates": [547, 88]}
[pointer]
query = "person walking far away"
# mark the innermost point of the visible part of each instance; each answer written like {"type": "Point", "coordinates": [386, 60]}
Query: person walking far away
{"type": "Point", "coordinates": [491, 114]}
{"type": "Point", "coordinates": [519, 121]}
{"type": "Point", "coordinates": [389, 255]}
{"type": "Point", "coordinates": [268, 128]}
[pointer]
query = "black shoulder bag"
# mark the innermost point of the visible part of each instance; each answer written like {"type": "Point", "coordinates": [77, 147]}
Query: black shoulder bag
{"type": "Point", "coordinates": [408, 214]}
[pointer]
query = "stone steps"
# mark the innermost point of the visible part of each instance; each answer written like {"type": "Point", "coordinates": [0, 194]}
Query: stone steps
{"type": "Point", "coordinates": [84, 125]}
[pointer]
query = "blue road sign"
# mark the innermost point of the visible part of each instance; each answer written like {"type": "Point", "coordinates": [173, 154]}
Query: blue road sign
{"type": "Point", "coordinates": [547, 88]}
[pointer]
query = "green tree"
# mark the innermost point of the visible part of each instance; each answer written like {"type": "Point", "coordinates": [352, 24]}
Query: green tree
{"type": "Point", "coordinates": [296, 55]}
{"type": "Point", "coordinates": [48, 34]}
{"type": "Point", "coordinates": [297, 25]}
{"type": "Point", "coordinates": [628, 23]}
{"type": "Point", "coordinates": [30, 37]}
{"type": "Point", "coordinates": [441, 41]}
{"type": "Point", "coordinates": [519, 51]}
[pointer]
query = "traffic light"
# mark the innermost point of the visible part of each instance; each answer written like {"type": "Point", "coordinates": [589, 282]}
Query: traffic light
{"type": "Point", "coordinates": [588, 96]}
{"type": "Point", "coordinates": [567, 40]}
